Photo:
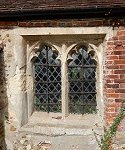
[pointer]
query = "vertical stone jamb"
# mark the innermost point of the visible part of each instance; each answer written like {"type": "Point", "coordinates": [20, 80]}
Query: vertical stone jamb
{"type": "Point", "coordinates": [20, 78]}
{"type": "Point", "coordinates": [31, 55]}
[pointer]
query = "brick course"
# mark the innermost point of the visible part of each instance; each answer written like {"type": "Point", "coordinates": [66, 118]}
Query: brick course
{"type": "Point", "coordinates": [72, 23]}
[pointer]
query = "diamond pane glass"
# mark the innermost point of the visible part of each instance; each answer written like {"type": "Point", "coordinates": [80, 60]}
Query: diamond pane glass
{"type": "Point", "coordinates": [47, 81]}
{"type": "Point", "coordinates": [82, 83]}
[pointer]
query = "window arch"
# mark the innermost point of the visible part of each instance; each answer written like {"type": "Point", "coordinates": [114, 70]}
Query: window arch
{"type": "Point", "coordinates": [82, 82]}
{"type": "Point", "coordinates": [47, 80]}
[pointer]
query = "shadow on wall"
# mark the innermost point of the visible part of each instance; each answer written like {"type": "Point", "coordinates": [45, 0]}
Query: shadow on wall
{"type": "Point", "coordinates": [3, 100]}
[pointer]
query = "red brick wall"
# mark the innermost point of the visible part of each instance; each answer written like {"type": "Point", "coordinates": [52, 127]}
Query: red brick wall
{"type": "Point", "coordinates": [63, 23]}
{"type": "Point", "coordinates": [115, 75]}
{"type": "Point", "coordinates": [53, 23]}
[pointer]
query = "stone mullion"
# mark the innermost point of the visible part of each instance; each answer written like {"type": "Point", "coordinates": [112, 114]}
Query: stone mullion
{"type": "Point", "coordinates": [64, 81]}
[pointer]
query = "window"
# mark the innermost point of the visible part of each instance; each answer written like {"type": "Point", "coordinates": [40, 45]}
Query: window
{"type": "Point", "coordinates": [81, 81]}
{"type": "Point", "coordinates": [63, 44]}
{"type": "Point", "coordinates": [47, 81]}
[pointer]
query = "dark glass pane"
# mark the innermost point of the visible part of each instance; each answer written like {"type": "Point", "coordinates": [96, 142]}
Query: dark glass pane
{"type": "Point", "coordinates": [82, 83]}
{"type": "Point", "coordinates": [54, 74]}
{"type": "Point", "coordinates": [47, 81]}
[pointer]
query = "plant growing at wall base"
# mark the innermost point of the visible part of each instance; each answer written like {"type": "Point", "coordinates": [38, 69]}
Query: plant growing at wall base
{"type": "Point", "coordinates": [106, 140]}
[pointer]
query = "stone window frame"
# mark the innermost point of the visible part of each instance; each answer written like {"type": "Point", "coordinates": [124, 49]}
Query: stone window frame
{"type": "Point", "coordinates": [64, 54]}
{"type": "Point", "coordinates": [28, 43]}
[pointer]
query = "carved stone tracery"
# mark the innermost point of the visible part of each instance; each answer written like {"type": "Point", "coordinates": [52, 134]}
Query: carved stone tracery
{"type": "Point", "coordinates": [33, 50]}
{"type": "Point", "coordinates": [91, 49]}
{"type": "Point", "coordinates": [65, 52]}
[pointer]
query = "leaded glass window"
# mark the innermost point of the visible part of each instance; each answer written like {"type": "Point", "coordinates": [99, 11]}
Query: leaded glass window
{"type": "Point", "coordinates": [47, 81]}
{"type": "Point", "coordinates": [82, 82]}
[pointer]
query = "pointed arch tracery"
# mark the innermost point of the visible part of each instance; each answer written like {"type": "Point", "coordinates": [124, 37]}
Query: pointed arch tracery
{"type": "Point", "coordinates": [33, 51]}
{"type": "Point", "coordinates": [82, 79]}
{"type": "Point", "coordinates": [47, 80]}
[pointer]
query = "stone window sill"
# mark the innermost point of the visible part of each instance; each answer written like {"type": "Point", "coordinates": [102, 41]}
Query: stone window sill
{"type": "Point", "coordinates": [53, 124]}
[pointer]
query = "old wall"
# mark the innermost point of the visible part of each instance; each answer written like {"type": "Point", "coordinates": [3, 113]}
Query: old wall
{"type": "Point", "coordinates": [63, 23]}
{"type": "Point", "coordinates": [113, 72]}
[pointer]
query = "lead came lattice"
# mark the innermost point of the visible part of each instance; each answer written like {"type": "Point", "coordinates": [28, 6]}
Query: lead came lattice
{"type": "Point", "coordinates": [82, 83]}
{"type": "Point", "coordinates": [47, 81]}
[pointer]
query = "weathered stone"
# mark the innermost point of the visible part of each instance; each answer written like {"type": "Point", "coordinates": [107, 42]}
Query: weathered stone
{"type": "Point", "coordinates": [12, 128]}
{"type": "Point", "coordinates": [22, 141]}
{"type": "Point", "coordinates": [28, 147]}
{"type": "Point", "coordinates": [25, 143]}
